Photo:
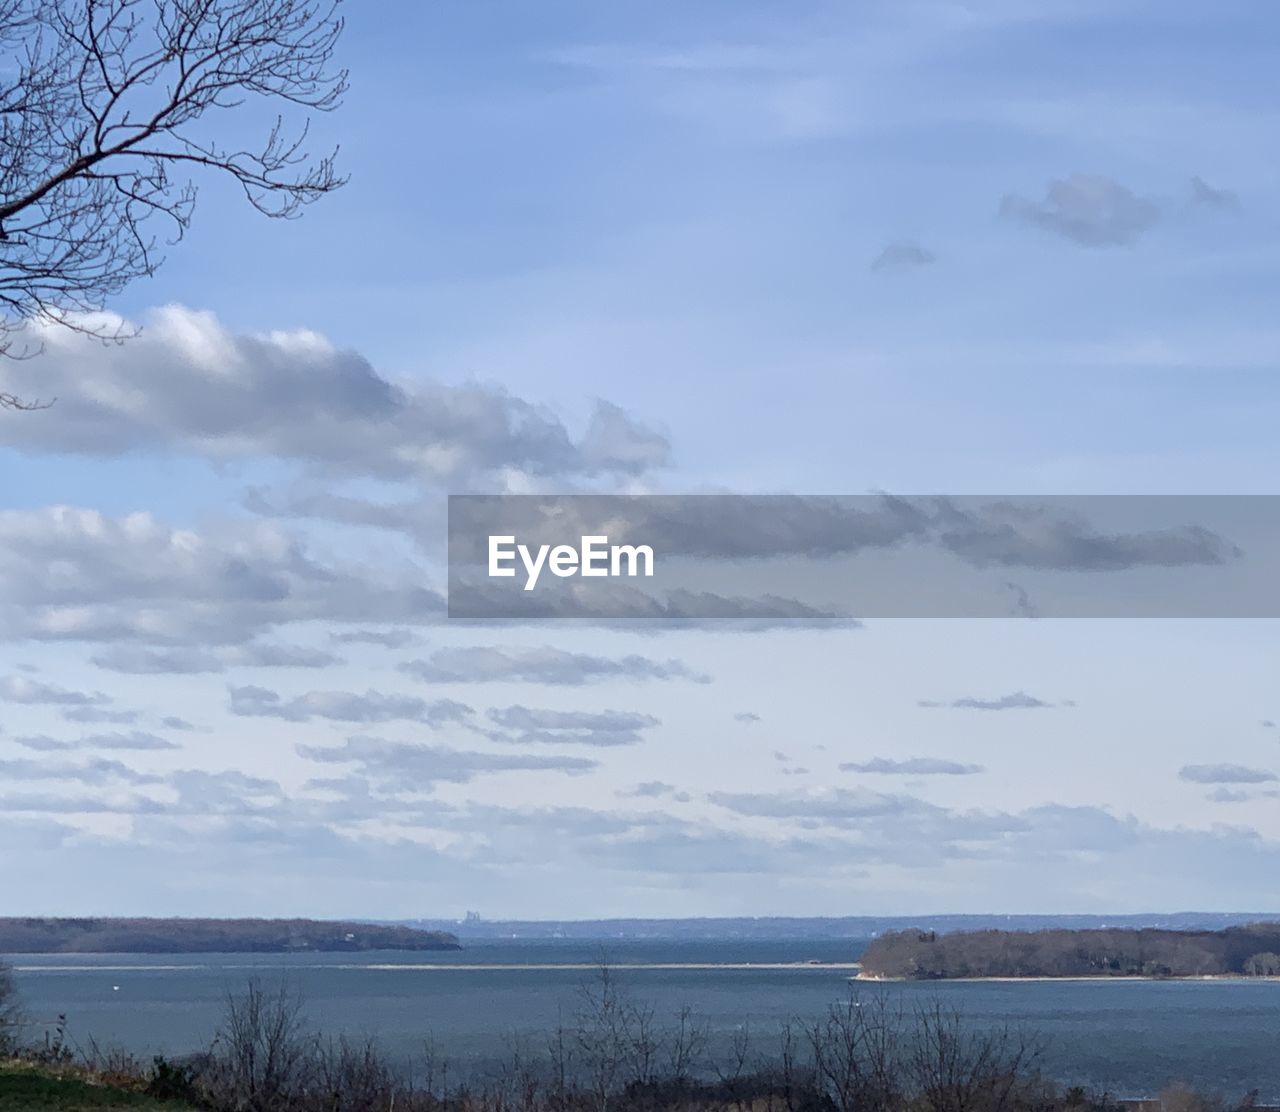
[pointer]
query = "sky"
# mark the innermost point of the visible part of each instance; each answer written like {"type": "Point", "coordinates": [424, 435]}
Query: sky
{"type": "Point", "coordinates": [926, 247]}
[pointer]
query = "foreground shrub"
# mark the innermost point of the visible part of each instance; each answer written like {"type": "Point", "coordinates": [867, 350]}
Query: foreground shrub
{"type": "Point", "coordinates": [174, 1081]}
{"type": "Point", "coordinates": [10, 1015]}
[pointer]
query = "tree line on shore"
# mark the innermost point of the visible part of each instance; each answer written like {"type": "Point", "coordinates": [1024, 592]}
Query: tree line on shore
{"type": "Point", "coordinates": [1251, 951]}
{"type": "Point", "coordinates": [222, 936]}
{"type": "Point", "coordinates": [867, 1053]}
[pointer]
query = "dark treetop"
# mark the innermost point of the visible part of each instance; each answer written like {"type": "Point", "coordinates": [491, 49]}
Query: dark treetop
{"type": "Point", "coordinates": [1252, 950]}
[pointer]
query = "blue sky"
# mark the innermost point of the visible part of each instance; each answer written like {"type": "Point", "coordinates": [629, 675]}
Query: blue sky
{"type": "Point", "coordinates": [994, 247]}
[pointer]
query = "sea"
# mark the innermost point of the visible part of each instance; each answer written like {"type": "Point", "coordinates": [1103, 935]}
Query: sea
{"type": "Point", "coordinates": [1127, 1038]}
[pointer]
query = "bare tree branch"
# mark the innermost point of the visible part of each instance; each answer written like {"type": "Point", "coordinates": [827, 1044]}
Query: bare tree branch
{"type": "Point", "coordinates": [107, 118]}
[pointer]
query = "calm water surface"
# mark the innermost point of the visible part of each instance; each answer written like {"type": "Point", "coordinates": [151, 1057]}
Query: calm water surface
{"type": "Point", "coordinates": [1130, 1037]}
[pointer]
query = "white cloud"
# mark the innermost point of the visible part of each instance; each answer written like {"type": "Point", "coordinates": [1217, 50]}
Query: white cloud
{"type": "Point", "coordinates": [188, 385]}
{"type": "Point", "coordinates": [77, 574]}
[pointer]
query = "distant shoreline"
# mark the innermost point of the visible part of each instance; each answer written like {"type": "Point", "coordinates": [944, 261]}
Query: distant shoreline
{"type": "Point", "coordinates": [203, 936]}
{"type": "Point", "coordinates": [1097, 978]}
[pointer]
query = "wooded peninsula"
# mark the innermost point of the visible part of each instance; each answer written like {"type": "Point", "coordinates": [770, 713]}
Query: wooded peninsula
{"type": "Point", "coordinates": [1245, 951]}
{"type": "Point", "coordinates": [202, 936]}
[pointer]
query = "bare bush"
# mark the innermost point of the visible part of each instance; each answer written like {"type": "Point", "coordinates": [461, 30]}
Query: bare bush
{"type": "Point", "coordinates": [521, 1084]}
{"type": "Point", "coordinates": [734, 1071]}
{"type": "Point", "coordinates": [857, 1054]}
{"type": "Point", "coordinates": [10, 1012]}
{"type": "Point", "coordinates": [954, 1067]}
{"type": "Point", "coordinates": [352, 1076]}
{"type": "Point", "coordinates": [263, 1057]}
{"type": "Point", "coordinates": [619, 1046]}
{"type": "Point", "coordinates": [797, 1080]}
{"type": "Point", "coordinates": [601, 1038]}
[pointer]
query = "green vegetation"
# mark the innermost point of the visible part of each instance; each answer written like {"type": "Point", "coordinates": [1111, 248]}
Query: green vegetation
{"type": "Point", "coordinates": [1249, 951]}
{"type": "Point", "coordinates": [190, 936]}
{"type": "Point", "coordinates": [33, 1088]}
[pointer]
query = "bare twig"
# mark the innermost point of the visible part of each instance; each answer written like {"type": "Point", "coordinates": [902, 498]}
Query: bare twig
{"type": "Point", "coordinates": [108, 115]}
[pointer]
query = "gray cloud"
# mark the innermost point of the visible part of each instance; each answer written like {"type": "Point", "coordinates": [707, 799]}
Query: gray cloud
{"type": "Point", "coordinates": [1040, 534]}
{"type": "Point", "coordinates": [1089, 209]}
{"type": "Point", "coordinates": [654, 789]}
{"type": "Point", "coordinates": [401, 766]}
{"type": "Point", "coordinates": [387, 638]}
{"type": "Point", "coordinates": [44, 744]}
{"type": "Point", "coordinates": [746, 716]}
{"type": "Point", "coordinates": [136, 740]}
{"type": "Point", "coordinates": [187, 384]}
{"type": "Point", "coordinates": [1055, 829]}
{"type": "Point", "coordinates": [645, 843]}
{"type": "Point", "coordinates": [1202, 193]}
{"type": "Point", "coordinates": [1027, 535]}
{"type": "Point", "coordinates": [615, 442]}
{"type": "Point", "coordinates": [669, 847]}
{"type": "Point", "coordinates": [1226, 774]}
{"type": "Point", "coordinates": [837, 805]}
{"type": "Point", "coordinates": [20, 689]}
{"type": "Point", "coordinates": [96, 771]}
{"type": "Point", "coordinates": [195, 793]}
{"type": "Point", "coordinates": [1235, 795]}
{"type": "Point", "coordinates": [710, 526]}
{"type": "Point", "coordinates": [345, 706]}
{"type": "Point", "coordinates": [298, 839]}
{"type": "Point", "coordinates": [527, 725]}
{"type": "Point", "coordinates": [1022, 605]}
{"type": "Point", "coordinates": [542, 665]}
{"type": "Point", "coordinates": [110, 802]}
{"type": "Point", "coordinates": [417, 516]}
{"type": "Point", "coordinates": [267, 655]}
{"type": "Point", "coordinates": [1017, 700]}
{"type": "Point", "coordinates": [139, 660]}
{"type": "Point", "coordinates": [913, 766]}
{"type": "Point", "coordinates": [99, 715]}
{"type": "Point", "coordinates": [902, 256]}
{"type": "Point", "coordinates": [909, 831]}
{"type": "Point", "coordinates": [617, 604]}
{"type": "Point", "coordinates": [223, 793]}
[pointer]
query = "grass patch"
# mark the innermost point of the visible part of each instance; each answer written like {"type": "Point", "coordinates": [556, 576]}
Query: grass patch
{"type": "Point", "coordinates": [24, 1087]}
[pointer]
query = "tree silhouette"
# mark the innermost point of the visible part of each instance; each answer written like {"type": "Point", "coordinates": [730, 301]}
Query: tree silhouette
{"type": "Point", "coordinates": [108, 116]}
